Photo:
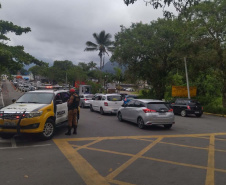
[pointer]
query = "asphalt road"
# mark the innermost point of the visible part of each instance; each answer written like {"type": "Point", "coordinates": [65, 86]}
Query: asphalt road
{"type": "Point", "coordinates": [106, 151]}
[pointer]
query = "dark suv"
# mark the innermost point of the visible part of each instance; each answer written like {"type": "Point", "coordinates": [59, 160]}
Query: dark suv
{"type": "Point", "coordinates": [185, 107]}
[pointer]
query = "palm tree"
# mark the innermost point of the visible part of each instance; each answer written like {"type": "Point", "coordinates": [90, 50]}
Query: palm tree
{"type": "Point", "coordinates": [103, 44]}
{"type": "Point", "coordinates": [92, 65]}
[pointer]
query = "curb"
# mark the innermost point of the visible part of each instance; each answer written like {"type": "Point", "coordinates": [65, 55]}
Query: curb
{"type": "Point", "coordinates": [219, 115]}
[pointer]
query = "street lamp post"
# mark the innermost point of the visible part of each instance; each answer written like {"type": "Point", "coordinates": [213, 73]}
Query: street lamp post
{"type": "Point", "coordinates": [105, 83]}
{"type": "Point", "coordinates": [186, 72]}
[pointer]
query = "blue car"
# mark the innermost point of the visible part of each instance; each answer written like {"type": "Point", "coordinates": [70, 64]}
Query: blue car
{"type": "Point", "coordinates": [129, 97]}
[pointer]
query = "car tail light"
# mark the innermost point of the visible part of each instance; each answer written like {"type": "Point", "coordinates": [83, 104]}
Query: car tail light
{"type": "Point", "coordinates": [49, 87]}
{"type": "Point", "coordinates": [105, 103]}
{"type": "Point", "coordinates": [85, 99]}
{"type": "Point", "coordinates": [188, 107]}
{"type": "Point", "coordinates": [148, 110]}
{"type": "Point", "coordinates": [171, 110]}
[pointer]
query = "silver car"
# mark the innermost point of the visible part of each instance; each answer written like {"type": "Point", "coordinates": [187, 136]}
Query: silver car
{"type": "Point", "coordinates": [85, 100]}
{"type": "Point", "coordinates": [147, 112]}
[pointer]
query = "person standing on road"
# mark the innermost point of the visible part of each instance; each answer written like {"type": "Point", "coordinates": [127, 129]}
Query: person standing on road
{"type": "Point", "coordinates": [73, 104]}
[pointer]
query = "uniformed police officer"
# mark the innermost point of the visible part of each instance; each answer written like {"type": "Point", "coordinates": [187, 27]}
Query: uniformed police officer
{"type": "Point", "coordinates": [73, 104]}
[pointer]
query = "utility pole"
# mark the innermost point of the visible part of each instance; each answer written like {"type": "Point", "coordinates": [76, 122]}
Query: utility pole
{"type": "Point", "coordinates": [186, 72]}
{"type": "Point", "coordinates": [66, 78]}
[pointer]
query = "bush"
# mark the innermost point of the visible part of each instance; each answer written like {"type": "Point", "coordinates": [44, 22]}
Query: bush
{"type": "Point", "coordinates": [214, 109]}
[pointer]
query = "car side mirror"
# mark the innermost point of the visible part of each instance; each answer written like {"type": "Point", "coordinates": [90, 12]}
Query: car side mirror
{"type": "Point", "coordinates": [59, 102]}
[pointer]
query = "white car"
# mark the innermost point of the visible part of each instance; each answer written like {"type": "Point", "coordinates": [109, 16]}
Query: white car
{"type": "Point", "coordinates": [85, 100]}
{"type": "Point", "coordinates": [130, 89]}
{"type": "Point", "coordinates": [25, 88]}
{"type": "Point", "coordinates": [106, 103]}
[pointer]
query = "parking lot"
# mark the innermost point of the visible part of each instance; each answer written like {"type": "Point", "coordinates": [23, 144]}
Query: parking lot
{"type": "Point", "coordinates": [106, 151]}
{"type": "Point", "coordinates": [141, 158]}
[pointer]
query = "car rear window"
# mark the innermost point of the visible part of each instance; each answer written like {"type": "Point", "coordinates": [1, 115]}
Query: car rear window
{"type": "Point", "coordinates": [193, 102]}
{"type": "Point", "coordinates": [157, 106]}
{"type": "Point", "coordinates": [89, 96]}
{"type": "Point", "coordinates": [114, 98]}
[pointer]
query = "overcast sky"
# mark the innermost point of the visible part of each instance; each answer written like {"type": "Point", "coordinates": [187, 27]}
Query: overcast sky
{"type": "Point", "coordinates": [60, 28]}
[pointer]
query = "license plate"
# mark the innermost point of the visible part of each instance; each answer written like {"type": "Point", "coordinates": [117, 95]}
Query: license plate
{"type": "Point", "coordinates": [162, 113]}
{"type": "Point", "coordinates": [196, 112]}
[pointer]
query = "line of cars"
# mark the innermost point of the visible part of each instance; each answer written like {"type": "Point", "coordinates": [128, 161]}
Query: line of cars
{"type": "Point", "coordinates": [41, 111]}
{"type": "Point", "coordinates": [141, 112]}
{"type": "Point", "coordinates": [24, 86]}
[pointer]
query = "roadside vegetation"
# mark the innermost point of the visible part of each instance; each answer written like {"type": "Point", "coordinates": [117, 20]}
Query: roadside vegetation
{"type": "Point", "coordinates": [153, 53]}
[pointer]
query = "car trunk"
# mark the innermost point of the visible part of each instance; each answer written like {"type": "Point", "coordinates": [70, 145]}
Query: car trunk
{"type": "Point", "coordinates": [160, 112]}
{"type": "Point", "coordinates": [114, 101]}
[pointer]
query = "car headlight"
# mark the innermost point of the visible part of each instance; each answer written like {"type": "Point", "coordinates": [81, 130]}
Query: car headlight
{"type": "Point", "coordinates": [33, 114]}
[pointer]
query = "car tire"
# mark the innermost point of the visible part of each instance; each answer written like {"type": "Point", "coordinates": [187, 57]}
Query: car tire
{"type": "Point", "coordinates": [168, 126]}
{"type": "Point", "coordinates": [49, 130]}
{"type": "Point", "coordinates": [198, 115]}
{"type": "Point", "coordinates": [101, 111]}
{"type": "Point", "coordinates": [140, 123]}
{"type": "Point", "coordinates": [91, 108]}
{"type": "Point", "coordinates": [120, 116]}
{"type": "Point", "coordinates": [183, 113]}
{"type": "Point", "coordinates": [6, 135]}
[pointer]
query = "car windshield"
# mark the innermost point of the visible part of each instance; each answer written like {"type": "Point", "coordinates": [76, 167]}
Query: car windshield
{"type": "Point", "coordinates": [157, 106]}
{"type": "Point", "coordinates": [39, 98]}
{"type": "Point", "coordinates": [114, 98]}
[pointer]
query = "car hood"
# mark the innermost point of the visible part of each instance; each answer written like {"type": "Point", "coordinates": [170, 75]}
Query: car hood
{"type": "Point", "coordinates": [21, 107]}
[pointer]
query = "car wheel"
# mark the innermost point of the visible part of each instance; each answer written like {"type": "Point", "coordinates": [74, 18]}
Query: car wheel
{"type": "Point", "coordinates": [91, 108]}
{"type": "Point", "coordinates": [140, 123]}
{"type": "Point", "coordinates": [120, 117]}
{"type": "Point", "coordinates": [198, 115]}
{"type": "Point", "coordinates": [82, 105]}
{"type": "Point", "coordinates": [6, 135]}
{"type": "Point", "coordinates": [183, 113]}
{"type": "Point", "coordinates": [48, 130]}
{"type": "Point", "coordinates": [168, 126]}
{"type": "Point", "coordinates": [101, 111]}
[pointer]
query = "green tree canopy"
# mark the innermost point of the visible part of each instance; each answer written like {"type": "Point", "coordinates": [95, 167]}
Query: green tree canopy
{"type": "Point", "coordinates": [14, 58]}
{"type": "Point", "coordinates": [145, 49]}
{"type": "Point", "coordinates": [179, 5]}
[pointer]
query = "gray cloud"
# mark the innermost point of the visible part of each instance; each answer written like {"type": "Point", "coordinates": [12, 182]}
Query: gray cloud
{"type": "Point", "coordinates": [61, 28]}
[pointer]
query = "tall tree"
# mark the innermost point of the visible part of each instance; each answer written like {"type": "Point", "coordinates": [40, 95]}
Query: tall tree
{"type": "Point", "coordinates": [145, 49]}
{"type": "Point", "coordinates": [207, 22]}
{"type": "Point", "coordinates": [103, 44]}
{"type": "Point", "coordinates": [179, 5]}
{"type": "Point", "coordinates": [92, 65]}
{"type": "Point", "coordinates": [13, 57]}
